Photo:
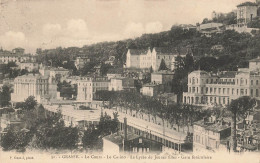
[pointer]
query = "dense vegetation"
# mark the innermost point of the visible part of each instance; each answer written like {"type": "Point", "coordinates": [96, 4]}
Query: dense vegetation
{"type": "Point", "coordinates": [239, 47]}
{"type": "Point", "coordinates": [44, 131]}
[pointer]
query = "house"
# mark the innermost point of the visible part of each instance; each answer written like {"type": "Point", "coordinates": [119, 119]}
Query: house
{"type": "Point", "coordinates": [163, 77]}
{"type": "Point", "coordinates": [152, 89]}
{"type": "Point", "coordinates": [59, 73]}
{"type": "Point", "coordinates": [245, 13]}
{"type": "Point", "coordinates": [29, 66]}
{"type": "Point", "coordinates": [209, 133]}
{"type": "Point", "coordinates": [121, 83]}
{"type": "Point", "coordinates": [114, 73]}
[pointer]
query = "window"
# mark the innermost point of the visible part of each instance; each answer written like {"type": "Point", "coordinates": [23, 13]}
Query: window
{"type": "Point", "coordinates": [224, 89]}
{"type": "Point", "coordinates": [256, 92]}
{"type": "Point", "coordinates": [256, 82]}
{"type": "Point", "coordinates": [252, 92]}
{"type": "Point", "coordinates": [252, 82]}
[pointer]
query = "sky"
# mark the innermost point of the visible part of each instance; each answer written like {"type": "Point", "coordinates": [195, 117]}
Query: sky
{"type": "Point", "coordinates": [32, 24]}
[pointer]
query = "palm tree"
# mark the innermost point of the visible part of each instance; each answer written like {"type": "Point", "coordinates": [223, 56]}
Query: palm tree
{"type": "Point", "coordinates": [238, 108]}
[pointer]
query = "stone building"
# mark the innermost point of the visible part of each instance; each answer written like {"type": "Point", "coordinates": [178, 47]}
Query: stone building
{"type": "Point", "coordinates": [245, 13]}
{"type": "Point", "coordinates": [206, 88]}
{"type": "Point", "coordinates": [88, 86]}
{"type": "Point", "coordinates": [33, 85]}
{"type": "Point", "coordinates": [147, 58]}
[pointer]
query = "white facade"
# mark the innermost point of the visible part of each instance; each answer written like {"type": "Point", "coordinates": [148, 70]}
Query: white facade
{"type": "Point", "coordinates": [88, 86]}
{"type": "Point", "coordinates": [30, 66]}
{"type": "Point", "coordinates": [33, 85]}
{"type": "Point", "coordinates": [210, 89]}
{"type": "Point", "coordinates": [146, 58]}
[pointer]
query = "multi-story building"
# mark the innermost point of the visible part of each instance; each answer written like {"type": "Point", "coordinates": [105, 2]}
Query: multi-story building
{"type": "Point", "coordinates": [59, 72]}
{"type": "Point", "coordinates": [163, 77]}
{"type": "Point", "coordinates": [33, 85]}
{"type": "Point", "coordinates": [147, 58]}
{"type": "Point", "coordinates": [121, 83]}
{"type": "Point", "coordinates": [210, 89]}
{"type": "Point", "coordinates": [88, 86]}
{"type": "Point", "coordinates": [30, 66]}
{"type": "Point", "coordinates": [209, 133]}
{"type": "Point", "coordinates": [17, 55]}
{"type": "Point", "coordinates": [245, 13]}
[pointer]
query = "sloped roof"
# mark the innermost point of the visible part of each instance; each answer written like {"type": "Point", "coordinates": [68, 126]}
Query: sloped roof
{"type": "Point", "coordinates": [228, 74]}
{"type": "Point", "coordinates": [138, 51]}
{"type": "Point", "coordinates": [255, 60]}
{"type": "Point", "coordinates": [210, 25]}
{"type": "Point", "coordinates": [118, 138]}
{"type": "Point", "coordinates": [166, 50]}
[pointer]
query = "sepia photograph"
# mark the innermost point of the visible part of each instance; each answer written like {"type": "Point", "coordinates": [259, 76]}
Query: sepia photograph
{"type": "Point", "coordinates": [129, 81]}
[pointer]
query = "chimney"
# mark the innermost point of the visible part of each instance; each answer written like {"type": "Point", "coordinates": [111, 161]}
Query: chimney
{"type": "Point", "coordinates": [125, 128]}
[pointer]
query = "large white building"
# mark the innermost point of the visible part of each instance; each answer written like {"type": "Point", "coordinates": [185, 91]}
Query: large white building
{"type": "Point", "coordinates": [147, 58]}
{"type": "Point", "coordinates": [33, 85]}
{"type": "Point", "coordinates": [88, 86]}
{"type": "Point", "coordinates": [210, 89]}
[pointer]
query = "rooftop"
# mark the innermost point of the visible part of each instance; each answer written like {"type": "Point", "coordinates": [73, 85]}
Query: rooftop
{"type": "Point", "coordinates": [247, 4]}
{"type": "Point", "coordinates": [214, 126]}
{"type": "Point", "coordinates": [138, 51]}
{"type": "Point", "coordinates": [117, 138]}
{"type": "Point", "coordinates": [228, 74]}
{"type": "Point", "coordinates": [31, 75]}
{"type": "Point", "coordinates": [255, 60]}
{"type": "Point", "coordinates": [210, 25]}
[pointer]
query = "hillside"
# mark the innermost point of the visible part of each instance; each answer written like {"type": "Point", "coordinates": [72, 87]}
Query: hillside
{"type": "Point", "coordinates": [238, 47]}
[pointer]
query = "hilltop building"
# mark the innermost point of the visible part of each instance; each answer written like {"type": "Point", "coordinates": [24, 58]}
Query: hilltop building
{"type": "Point", "coordinates": [219, 89]}
{"type": "Point", "coordinates": [246, 12]}
{"type": "Point", "coordinates": [147, 58]}
{"type": "Point", "coordinates": [16, 55]}
{"type": "Point", "coordinates": [33, 85]}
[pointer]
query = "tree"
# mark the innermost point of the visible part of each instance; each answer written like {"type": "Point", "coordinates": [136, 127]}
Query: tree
{"type": "Point", "coordinates": [8, 141]}
{"type": "Point", "coordinates": [5, 95]}
{"type": "Point", "coordinates": [30, 103]}
{"type": "Point", "coordinates": [52, 133]}
{"type": "Point", "coordinates": [163, 65]}
{"type": "Point", "coordinates": [238, 108]}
